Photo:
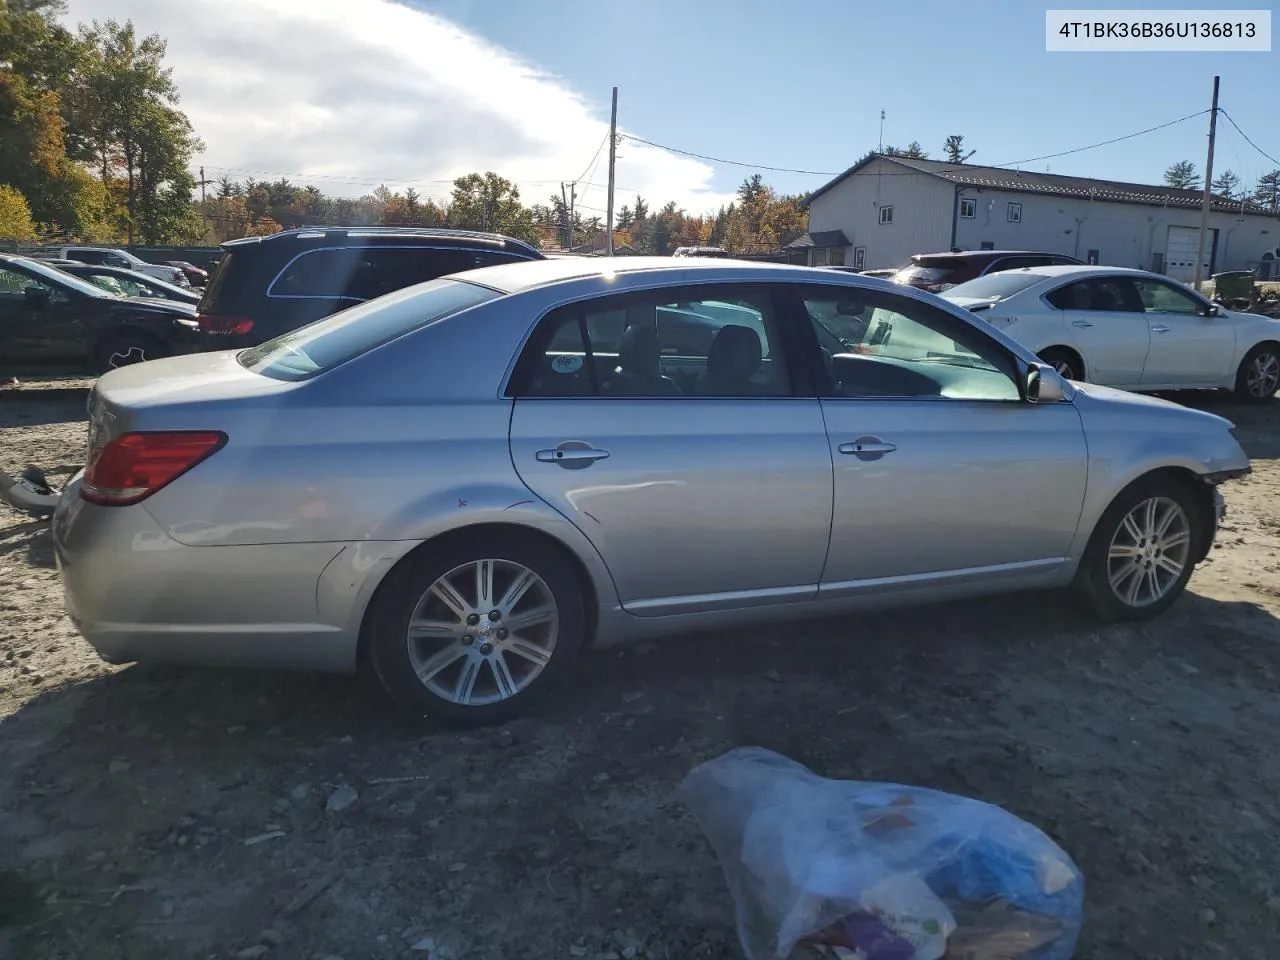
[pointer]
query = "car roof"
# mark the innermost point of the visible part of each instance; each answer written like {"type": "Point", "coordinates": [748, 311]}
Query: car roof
{"type": "Point", "coordinates": [1082, 270]}
{"type": "Point", "coordinates": [516, 277]}
{"type": "Point", "coordinates": [986, 254]}
{"type": "Point", "coordinates": [340, 235]}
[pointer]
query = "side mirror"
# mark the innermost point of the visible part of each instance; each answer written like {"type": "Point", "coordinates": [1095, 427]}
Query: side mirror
{"type": "Point", "coordinates": [36, 296]}
{"type": "Point", "coordinates": [1044, 384]}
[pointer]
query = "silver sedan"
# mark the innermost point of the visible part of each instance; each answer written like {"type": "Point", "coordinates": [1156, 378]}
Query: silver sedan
{"type": "Point", "coordinates": [468, 481]}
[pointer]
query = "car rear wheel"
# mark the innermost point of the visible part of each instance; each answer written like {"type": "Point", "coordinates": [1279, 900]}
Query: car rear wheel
{"type": "Point", "coordinates": [475, 633]}
{"type": "Point", "coordinates": [1142, 551]}
{"type": "Point", "coordinates": [1259, 375]}
{"type": "Point", "coordinates": [1068, 365]}
{"type": "Point", "coordinates": [126, 349]}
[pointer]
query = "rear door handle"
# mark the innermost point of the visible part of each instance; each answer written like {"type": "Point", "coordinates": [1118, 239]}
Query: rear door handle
{"type": "Point", "coordinates": [1160, 329]}
{"type": "Point", "coordinates": [867, 448]}
{"type": "Point", "coordinates": [572, 455]}
{"type": "Point", "coordinates": [1081, 323]}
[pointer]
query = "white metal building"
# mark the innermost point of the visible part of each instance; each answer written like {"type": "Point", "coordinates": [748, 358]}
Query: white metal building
{"type": "Point", "coordinates": [884, 209]}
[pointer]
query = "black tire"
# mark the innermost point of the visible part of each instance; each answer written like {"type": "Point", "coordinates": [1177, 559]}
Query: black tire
{"type": "Point", "coordinates": [404, 594]}
{"type": "Point", "coordinates": [126, 349]}
{"type": "Point", "coordinates": [1259, 375]}
{"type": "Point", "coordinates": [1097, 567]}
{"type": "Point", "coordinates": [1066, 362]}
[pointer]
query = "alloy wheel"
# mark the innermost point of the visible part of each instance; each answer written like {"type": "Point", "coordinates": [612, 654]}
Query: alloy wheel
{"type": "Point", "coordinates": [1263, 375]}
{"type": "Point", "coordinates": [483, 632]}
{"type": "Point", "coordinates": [1149, 551]}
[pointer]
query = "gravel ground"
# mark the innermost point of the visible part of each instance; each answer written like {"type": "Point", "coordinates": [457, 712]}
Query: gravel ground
{"type": "Point", "coordinates": [150, 812]}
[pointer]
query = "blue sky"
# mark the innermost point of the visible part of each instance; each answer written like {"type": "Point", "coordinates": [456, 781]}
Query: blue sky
{"type": "Point", "coordinates": [782, 84]}
{"type": "Point", "coordinates": [348, 94]}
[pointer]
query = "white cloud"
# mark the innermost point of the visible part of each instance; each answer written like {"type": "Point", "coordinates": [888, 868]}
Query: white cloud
{"type": "Point", "coordinates": [347, 95]}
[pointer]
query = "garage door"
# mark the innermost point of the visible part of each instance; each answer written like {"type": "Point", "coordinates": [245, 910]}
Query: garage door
{"type": "Point", "coordinates": [1180, 252]}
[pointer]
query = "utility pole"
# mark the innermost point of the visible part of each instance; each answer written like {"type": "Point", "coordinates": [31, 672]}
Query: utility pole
{"type": "Point", "coordinates": [1208, 191]}
{"type": "Point", "coordinates": [880, 148]}
{"type": "Point", "coordinates": [204, 214]}
{"type": "Point", "coordinates": [613, 159]}
{"type": "Point", "coordinates": [573, 195]}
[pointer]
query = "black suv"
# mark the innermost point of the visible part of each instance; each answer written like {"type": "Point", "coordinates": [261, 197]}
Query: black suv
{"type": "Point", "coordinates": [265, 286]}
{"type": "Point", "coordinates": [55, 323]}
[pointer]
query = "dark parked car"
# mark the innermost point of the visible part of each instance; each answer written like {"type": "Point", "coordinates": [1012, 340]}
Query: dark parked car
{"type": "Point", "coordinates": [266, 286]}
{"type": "Point", "coordinates": [936, 272]}
{"type": "Point", "coordinates": [56, 323]}
{"type": "Point", "coordinates": [129, 283]}
{"type": "Point", "coordinates": [196, 276]}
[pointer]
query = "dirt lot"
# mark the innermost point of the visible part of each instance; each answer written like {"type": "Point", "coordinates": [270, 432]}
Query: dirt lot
{"type": "Point", "coordinates": [164, 813]}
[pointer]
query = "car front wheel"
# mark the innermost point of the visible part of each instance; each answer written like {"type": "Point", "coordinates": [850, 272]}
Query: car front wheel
{"type": "Point", "coordinates": [1065, 362]}
{"type": "Point", "coordinates": [1142, 551]}
{"type": "Point", "coordinates": [475, 633]}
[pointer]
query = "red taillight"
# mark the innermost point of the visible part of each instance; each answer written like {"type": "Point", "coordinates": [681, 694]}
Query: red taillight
{"type": "Point", "coordinates": [213, 323]}
{"type": "Point", "coordinates": [133, 466]}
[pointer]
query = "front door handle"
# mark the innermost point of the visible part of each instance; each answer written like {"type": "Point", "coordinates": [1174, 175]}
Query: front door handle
{"type": "Point", "coordinates": [572, 455]}
{"type": "Point", "coordinates": [867, 448]}
{"type": "Point", "coordinates": [1081, 323]}
{"type": "Point", "coordinates": [1160, 329]}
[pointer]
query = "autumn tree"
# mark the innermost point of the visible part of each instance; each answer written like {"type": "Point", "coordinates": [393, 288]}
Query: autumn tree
{"type": "Point", "coordinates": [123, 118]}
{"type": "Point", "coordinates": [1182, 175]}
{"type": "Point", "coordinates": [639, 210]}
{"type": "Point", "coordinates": [490, 202]}
{"type": "Point", "coordinates": [15, 216]}
{"type": "Point", "coordinates": [954, 149]}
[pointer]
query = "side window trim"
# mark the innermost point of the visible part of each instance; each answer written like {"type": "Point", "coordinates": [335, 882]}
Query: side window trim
{"type": "Point", "coordinates": [520, 370]}
{"type": "Point", "coordinates": [476, 251]}
{"type": "Point", "coordinates": [824, 388]}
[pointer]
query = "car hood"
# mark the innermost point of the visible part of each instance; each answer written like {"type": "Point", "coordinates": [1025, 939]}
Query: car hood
{"type": "Point", "coordinates": [1111, 396]}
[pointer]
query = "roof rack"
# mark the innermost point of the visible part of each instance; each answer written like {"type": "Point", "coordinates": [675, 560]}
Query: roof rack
{"type": "Point", "coordinates": [334, 232]}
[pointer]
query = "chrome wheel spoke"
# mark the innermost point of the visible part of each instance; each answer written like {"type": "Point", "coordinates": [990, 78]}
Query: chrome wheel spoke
{"type": "Point", "coordinates": [1149, 517]}
{"type": "Point", "coordinates": [434, 630]}
{"type": "Point", "coordinates": [530, 652]}
{"type": "Point", "coordinates": [1170, 566]}
{"type": "Point", "coordinates": [502, 675]}
{"type": "Point", "coordinates": [430, 668]}
{"type": "Point", "coordinates": [530, 618]}
{"type": "Point", "coordinates": [443, 591]}
{"type": "Point", "coordinates": [1124, 551]}
{"type": "Point", "coordinates": [484, 586]}
{"type": "Point", "coordinates": [466, 684]}
{"type": "Point", "coordinates": [1131, 527]}
{"type": "Point", "coordinates": [1175, 540]}
{"type": "Point", "coordinates": [1135, 586]}
{"type": "Point", "coordinates": [516, 592]}
{"type": "Point", "coordinates": [1149, 552]}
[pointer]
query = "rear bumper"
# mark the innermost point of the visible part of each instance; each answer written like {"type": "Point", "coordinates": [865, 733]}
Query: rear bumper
{"type": "Point", "coordinates": [136, 594]}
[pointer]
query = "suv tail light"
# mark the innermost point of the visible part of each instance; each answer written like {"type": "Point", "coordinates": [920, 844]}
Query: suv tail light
{"type": "Point", "coordinates": [133, 466]}
{"type": "Point", "coordinates": [214, 323]}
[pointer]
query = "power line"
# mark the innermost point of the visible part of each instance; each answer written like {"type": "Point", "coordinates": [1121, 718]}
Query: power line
{"type": "Point", "coordinates": [1246, 136]}
{"type": "Point", "coordinates": [1104, 143]}
{"type": "Point", "coordinates": [954, 167]}
{"type": "Point", "coordinates": [591, 163]}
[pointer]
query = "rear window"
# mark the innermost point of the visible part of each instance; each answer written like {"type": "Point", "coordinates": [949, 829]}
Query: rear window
{"type": "Point", "coordinates": [217, 280]}
{"type": "Point", "coordinates": [934, 272]}
{"type": "Point", "coordinates": [363, 273]}
{"type": "Point", "coordinates": [323, 345]}
{"type": "Point", "coordinates": [995, 286]}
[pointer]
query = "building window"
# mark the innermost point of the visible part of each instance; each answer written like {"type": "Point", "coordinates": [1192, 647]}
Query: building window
{"type": "Point", "coordinates": [819, 257]}
{"type": "Point", "coordinates": [886, 214]}
{"type": "Point", "coordinates": [1091, 258]}
{"type": "Point", "coordinates": [987, 245]}
{"type": "Point", "coordinates": [1014, 213]}
{"type": "Point", "coordinates": [859, 257]}
{"type": "Point", "coordinates": [836, 257]}
{"type": "Point", "coordinates": [968, 208]}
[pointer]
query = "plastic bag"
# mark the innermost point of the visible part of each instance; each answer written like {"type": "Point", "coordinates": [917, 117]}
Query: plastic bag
{"type": "Point", "coordinates": [800, 853]}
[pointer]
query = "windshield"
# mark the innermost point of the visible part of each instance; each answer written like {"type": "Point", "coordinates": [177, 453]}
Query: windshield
{"type": "Point", "coordinates": [345, 335]}
{"type": "Point", "coordinates": [66, 280]}
{"type": "Point", "coordinates": [930, 274]}
{"type": "Point", "coordinates": [995, 286]}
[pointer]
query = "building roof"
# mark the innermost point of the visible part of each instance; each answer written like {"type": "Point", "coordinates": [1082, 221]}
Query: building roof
{"type": "Point", "coordinates": [1050, 184]}
{"type": "Point", "coordinates": [822, 238]}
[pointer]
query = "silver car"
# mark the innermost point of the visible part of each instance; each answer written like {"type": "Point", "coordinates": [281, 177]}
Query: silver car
{"type": "Point", "coordinates": [470, 480]}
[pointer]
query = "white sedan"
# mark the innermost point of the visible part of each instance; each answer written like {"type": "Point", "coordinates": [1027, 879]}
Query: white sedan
{"type": "Point", "coordinates": [1128, 328]}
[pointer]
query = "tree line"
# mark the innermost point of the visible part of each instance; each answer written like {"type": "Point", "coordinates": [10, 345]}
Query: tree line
{"type": "Point", "coordinates": [1265, 193]}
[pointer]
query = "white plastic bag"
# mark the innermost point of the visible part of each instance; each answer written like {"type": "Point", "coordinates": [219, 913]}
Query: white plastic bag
{"type": "Point", "coordinates": [801, 853]}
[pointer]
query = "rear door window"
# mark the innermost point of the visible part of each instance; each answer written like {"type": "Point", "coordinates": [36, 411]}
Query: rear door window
{"type": "Point", "coordinates": [364, 273]}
